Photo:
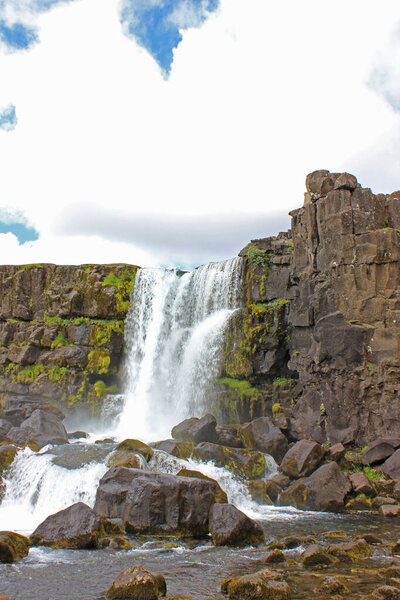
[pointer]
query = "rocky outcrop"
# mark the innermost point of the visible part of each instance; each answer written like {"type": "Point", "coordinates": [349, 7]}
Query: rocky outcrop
{"type": "Point", "coordinates": [318, 338]}
{"type": "Point", "coordinates": [61, 331]}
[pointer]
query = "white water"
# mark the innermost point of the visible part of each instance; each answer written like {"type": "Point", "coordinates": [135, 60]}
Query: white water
{"type": "Point", "coordinates": [174, 334]}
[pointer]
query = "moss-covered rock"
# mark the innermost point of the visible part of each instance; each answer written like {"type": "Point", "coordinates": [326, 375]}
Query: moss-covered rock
{"type": "Point", "coordinates": [263, 585]}
{"type": "Point", "coordinates": [220, 495]}
{"type": "Point", "coordinates": [124, 458]}
{"type": "Point", "coordinates": [7, 455]}
{"type": "Point", "coordinates": [258, 492]}
{"type": "Point", "coordinates": [137, 583]}
{"type": "Point", "coordinates": [136, 446]}
{"type": "Point", "coordinates": [249, 464]}
{"type": "Point", "coordinates": [13, 546]}
{"type": "Point", "coordinates": [176, 448]}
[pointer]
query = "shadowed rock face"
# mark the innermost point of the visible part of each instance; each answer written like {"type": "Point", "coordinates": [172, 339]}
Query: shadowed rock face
{"type": "Point", "coordinates": [322, 319]}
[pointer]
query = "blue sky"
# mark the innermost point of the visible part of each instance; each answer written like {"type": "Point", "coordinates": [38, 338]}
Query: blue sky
{"type": "Point", "coordinates": [173, 131]}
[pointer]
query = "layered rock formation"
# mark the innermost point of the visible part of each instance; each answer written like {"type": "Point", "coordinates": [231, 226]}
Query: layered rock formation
{"type": "Point", "coordinates": [317, 344]}
{"type": "Point", "coordinates": [61, 331]}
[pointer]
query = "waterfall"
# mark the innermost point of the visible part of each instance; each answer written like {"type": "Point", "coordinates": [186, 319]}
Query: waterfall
{"type": "Point", "coordinates": [174, 336]}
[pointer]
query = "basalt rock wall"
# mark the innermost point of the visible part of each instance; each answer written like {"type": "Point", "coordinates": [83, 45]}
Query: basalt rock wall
{"type": "Point", "coordinates": [61, 331]}
{"type": "Point", "coordinates": [317, 344]}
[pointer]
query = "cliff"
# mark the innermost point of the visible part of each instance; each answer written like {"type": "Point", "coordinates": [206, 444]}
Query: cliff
{"type": "Point", "coordinates": [61, 331]}
{"type": "Point", "coordinates": [317, 343]}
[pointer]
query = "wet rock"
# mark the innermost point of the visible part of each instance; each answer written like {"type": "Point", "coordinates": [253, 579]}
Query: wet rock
{"type": "Point", "coordinates": [302, 459]}
{"type": "Point", "coordinates": [136, 446]}
{"type": "Point", "coordinates": [258, 586]}
{"type": "Point", "coordinates": [77, 526]}
{"type": "Point", "coordinates": [379, 450]}
{"type": "Point", "coordinates": [136, 583]}
{"type": "Point", "coordinates": [220, 495]}
{"type": "Point", "coordinates": [335, 534]}
{"type": "Point", "coordinates": [360, 484]}
{"type": "Point", "coordinates": [370, 538]}
{"type": "Point", "coordinates": [156, 503]}
{"type": "Point", "coordinates": [332, 585]}
{"type": "Point", "coordinates": [359, 503]}
{"type": "Point", "coordinates": [175, 447]}
{"type": "Point", "coordinates": [386, 592]}
{"type": "Point", "coordinates": [324, 490]}
{"type": "Point", "coordinates": [258, 492]}
{"type": "Point", "coordinates": [392, 466]}
{"type": "Point", "coordinates": [381, 500]}
{"type": "Point", "coordinates": [119, 542]}
{"type": "Point", "coordinates": [77, 435]}
{"type": "Point", "coordinates": [282, 480]}
{"type": "Point", "coordinates": [196, 430]}
{"type": "Point", "coordinates": [76, 456]}
{"type": "Point", "coordinates": [20, 408]}
{"type": "Point", "coordinates": [388, 510]}
{"type": "Point", "coordinates": [13, 546]}
{"type": "Point", "coordinates": [336, 452]}
{"type": "Point", "coordinates": [351, 551]}
{"type": "Point", "coordinates": [230, 527]}
{"type": "Point", "coordinates": [395, 549]}
{"type": "Point", "coordinates": [227, 435]}
{"type": "Point", "coordinates": [41, 428]}
{"type": "Point", "coordinates": [316, 556]}
{"type": "Point", "coordinates": [7, 455]}
{"type": "Point", "coordinates": [124, 458]}
{"type": "Point", "coordinates": [272, 489]}
{"type": "Point", "coordinates": [261, 434]}
{"type": "Point", "coordinates": [291, 541]}
{"type": "Point", "coordinates": [388, 572]}
{"type": "Point", "coordinates": [276, 556]}
{"type": "Point", "coordinates": [246, 463]}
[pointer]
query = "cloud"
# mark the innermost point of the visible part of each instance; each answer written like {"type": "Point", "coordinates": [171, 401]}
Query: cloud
{"type": "Point", "coordinates": [8, 118]}
{"type": "Point", "coordinates": [17, 36]}
{"type": "Point", "coordinates": [15, 222]}
{"type": "Point", "coordinates": [385, 75]}
{"type": "Point", "coordinates": [157, 25]}
{"type": "Point", "coordinates": [187, 240]}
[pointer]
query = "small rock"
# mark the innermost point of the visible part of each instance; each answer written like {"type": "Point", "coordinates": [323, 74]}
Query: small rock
{"type": "Point", "coordinates": [258, 493]}
{"type": "Point", "coordinates": [258, 586]}
{"type": "Point", "coordinates": [175, 448]}
{"type": "Point", "coordinates": [381, 500]}
{"type": "Point", "coordinates": [302, 459]}
{"type": "Point", "coordinates": [332, 585]}
{"type": "Point", "coordinates": [136, 446]}
{"type": "Point", "coordinates": [335, 534]}
{"type": "Point", "coordinates": [120, 543]}
{"type": "Point", "coordinates": [315, 556]}
{"type": "Point", "coordinates": [124, 458]}
{"type": "Point", "coordinates": [137, 583]}
{"type": "Point", "coordinates": [291, 541]}
{"type": "Point", "coordinates": [77, 435]}
{"type": "Point", "coordinates": [356, 550]}
{"type": "Point", "coordinates": [7, 455]}
{"type": "Point", "coordinates": [13, 546]}
{"type": "Point", "coordinates": [276, 556]}
{"type": "Point", "coordinates": [388, 510]}
{"type": "Point", "coordinates": [360, 484]}
{"type": "Point", "coordinates": [230, 527]}
{"type": "Point", "coordinates": [337, 451]}
{"type": "Point", "coordinates": [395, 549]}
{"type": "Point", "coordinates": [196, 430]}
{"type": "Point", "coordinates": [359, 503]}
{"type": "Point", "coordinates": [370, 538]}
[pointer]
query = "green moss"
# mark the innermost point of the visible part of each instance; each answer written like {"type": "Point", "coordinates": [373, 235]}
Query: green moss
{"type": "Point", "coordinates": [28, 374]}
{"type": "Point", "coordinates": [98, 361]}
{"type": "Point", "coordinates": [101, 331]}
{"type": "Point", "coordinates": [281, 381]}
{"type": "Point", "coordinates": [277, 410]}
{"type": "Point", "coordinates": [59, 341]}
{"type": "Point", "coordinates": [258, 257]}
{"type": "Point", "coordinates": [243, 388]}
{"type": "Point", "coordinates": [123, 285]}
{"type": "Point", "coordinates": [32, 266]}
{"type": "Point", "coordinates": [101, 390]}
{"type": "Point", "coordinates": [372, 474]}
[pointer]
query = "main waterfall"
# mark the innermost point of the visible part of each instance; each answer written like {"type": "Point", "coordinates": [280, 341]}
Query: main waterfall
{"type": "Point", "coordinates": [174, 336]}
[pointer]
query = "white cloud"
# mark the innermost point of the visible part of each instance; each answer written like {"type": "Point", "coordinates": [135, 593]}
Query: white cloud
{"type": "Point", "coordinates": [187, 14]}
{"type": "Point", "coordinates": [260, 95]}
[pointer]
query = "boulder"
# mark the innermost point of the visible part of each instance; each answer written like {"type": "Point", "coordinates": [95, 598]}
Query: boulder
{"type": "Point", "coordinates": [196, 430]}
{"type": "Point", "coordinates": [379, 450]}
{"type": "Point", "coordinates": [261, 434]}
{"type": "Point", "coordinates": [336, 452]}
{"type": "Point", "coordinates": [77, 435]}
{"type": "Point", "coordinates": [230, 527]}
{"type": "Point", "coordinates": [316, 556]}
{"type": "Point", "coordinates": [220, 495]}
{"type": "Point", "coordinates": [258, 492]}
{"type": "Point", "coordinates": [227, 435]}
{"type": "Point", "coordinates": [389, 510]}
{"type": "Point", "coordinates": [7, 455]}
{"type": "Point", "coordinates": [386, 592]}
{"type": "Point", "coordinates": [136, 583]}
{"type": "Point", "coordinates": [77, 526]}
{"type": "Point", "coordinates": [136, 446]}
{"type": "Point", "coordinates": [41, 428]}
{"type": "Point", "coordinates": [359, 503]}
{"type": "Point", "coordinates": [392, 466]}
{"type": "Point", "coordinates": [350, 551]}
{"type": "Point", "coordinates": [324, 490]}
{"type": "Point", "coordinates": [263, 585]}
{"type": "Point", "coordinates": [319, 183]}
{"type": "Point", "coordinates": [246, 463]}
{"type": "Point", "coordinates": [124, 458]}
{"type": "Point", "coordinates": [302, 459]}
{"type": "Point", "coordinates": [20, 408]}
{"type": "Point", "coordinates": [175, 448]}
{"type": "Point", "coordinates": [13, 546]}
{"type": "Point", "coordinates": [156, 503]}
{"type": "Point", "coordinates": [346, 181]}
{"type": "Point", "coordinates": [332, 585]}
{"type": "Point", "coordinates": [275, 557]}
{"type": "Point", "coordinates": [379, 501]}
{"type": "Point", "coordinates": [360, 484]}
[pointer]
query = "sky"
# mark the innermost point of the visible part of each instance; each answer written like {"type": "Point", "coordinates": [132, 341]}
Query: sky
{"type": "Point", "coordinates": [171, 132]}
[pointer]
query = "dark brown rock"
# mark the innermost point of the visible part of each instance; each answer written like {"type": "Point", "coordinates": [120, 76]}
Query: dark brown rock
{"type": "Point", "coordinates": [346, 181]}
{"type": "Point", "coordinates": [336, 452]}
{"type": "Point", "coordinates": [319, 183]}
{"type": "Point", "coordinates": [227, 435]}
{"type": "Point", "coordinates": [175, 448]}
{"type": "Point", "coordinates": [350, 551]}
{"type": "Point", "coordinates": [379, 450]}
{"type": "Point", "coordinates": [389, 510]}
{"type": "Point", "coordinates": [360, 484]}
{"type": "Point", "coordinates": [196, 430]}
{"type": "Point", "coordinates": [13, 546]}
{"type": "Point", "coordinates": [274, 557]}
{"type": "Point", "coordinates": [392, 466]}
{"type": "Point", "coordinates": [246, 463]}
{"type": "Point", "coordinates": [386, 592]}
{"type": "Point", "coordinates": [230, 527]}
{"type": "Point", "coordinates": [258, 586]}
{"type": "Point", "coordinates": [220, 495]}
{"type": "Point", "coordinates": [137, 583]}
{"type": "Point", "coordinates": [156, 503]}
{"type": "Point", "coordinates": [316, 556]}
{"type": "Point", "coordinates": [261, 434]}
{"type": "Point", "coordinates": [42, 428]}
{"type": "Point", "coordinates": [332, 585]}
{"type": "Point", "coordinates": [302, 459]}
{"type": "Point", "coordinates": [379, 501]}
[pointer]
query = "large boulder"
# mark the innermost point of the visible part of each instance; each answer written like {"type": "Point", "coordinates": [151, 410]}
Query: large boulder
{"type": "Point", "coordinates": [136, 583]}
{"type": "Point", "coordinates": [175, 448]}
{"type": "Point", "coordinates": [156, 503]}
{"type": "Point", "coordinates": [263, 585]}
{"type": "Point", "coordinates": [20, 408]}
{"type": "Point", "coordinates": [196, 430]}
{"type": "Point", "coordinates": [41, 428]}
{"type": "Point", "coordinates": [77, 526]}
{"type": "Point", "coordinates": [246, 463]}
{"type": "Point", "coordinates": [324, 490]}
{"type": "Point", "coordinates": [13, 546]}
{"type": "Point", "coordinates": [302, 459]}
{"type": "Point", "coordinates": [261, 434]}
{"type": "Point", "coordinates": [230, 527]}
{"type": "Point", "coordinates": [392, 466]}
{"type": "Point", "coordinates": [379, 450]}
{"type": "Point", "coordinates": [220, 495]}
{"type": "Point", "coordinates": [7, 455]}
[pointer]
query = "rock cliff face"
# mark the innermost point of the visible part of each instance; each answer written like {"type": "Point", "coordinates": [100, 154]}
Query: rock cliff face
{"type": "Point", "coordinates": [61, 331]}
{"type": "Point", "coordinates": [317, 343]}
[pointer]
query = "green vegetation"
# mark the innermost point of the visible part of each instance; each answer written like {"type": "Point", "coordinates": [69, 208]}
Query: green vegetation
{"type": "Point", "coordinates": [59, 341]}
{"type": "Point", "coordinates": [243, 388]}
{"type": "Point", "coordinates": [32, 266]}
{"type": "Point", "coordinates": [277, 410]}
{"type": "Point", "coordinates": [280, 381]}
{"type": "Point", "coordinates": [258, 257]}
{"type": "Point", "coordinates": [98, 361]}
{"type": "Point", "coordinates": [123, 285]}
{"type": "Point", "coordinates": [102, 390]}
